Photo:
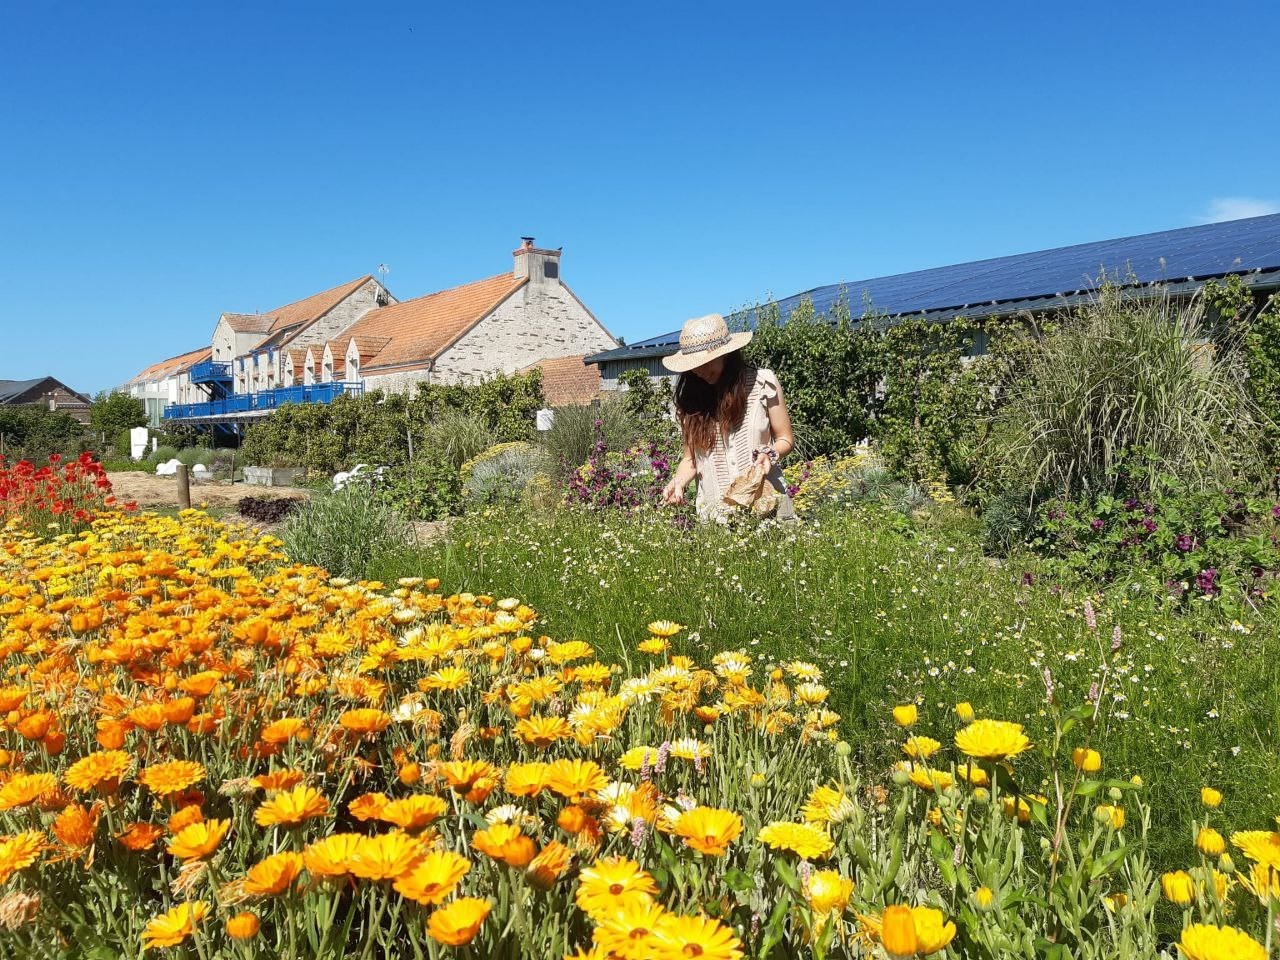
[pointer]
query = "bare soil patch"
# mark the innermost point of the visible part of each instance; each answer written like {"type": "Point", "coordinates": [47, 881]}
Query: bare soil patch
{"type": "Point", "coordinates": [150, 491]}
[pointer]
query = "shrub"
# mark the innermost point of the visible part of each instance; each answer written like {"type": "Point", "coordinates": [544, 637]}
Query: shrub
{"type": "Point", "coordinates": [859, 476]}
{"type": "Point", "coordinates": [627, 479]}
{"type": "Point", "coordinates": [114, 412]}
{"type": "Point", "coordinates": [34, 433]}
{"type": "Point", "coordinates": [425, 489]}
{"type": "Point", "coordinates": [576, 430]}
{"type": "Point", "coordinates": [267, 509]}
{"type": "Point", "coordinates": [1126, 373]}
{"type": "Point", "coordinates": [345, 531]}
{"type": "Point", "coordinates": [505, 473]}
{"type": "Point", "coordinates": [193, 455]}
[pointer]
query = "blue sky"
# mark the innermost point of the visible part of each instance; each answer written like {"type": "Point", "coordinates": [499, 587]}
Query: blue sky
{"type": "Point", "coordinates": [163, 163]}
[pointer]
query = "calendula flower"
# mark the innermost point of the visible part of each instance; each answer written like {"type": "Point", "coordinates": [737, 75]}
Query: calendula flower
{"type": "Point", "coordinates": [140, 836]}
{"type": "Point", "coordinates": [575, 778]}
{"type": "Point", "coordinates": [462, 775]}
{"type": "Point", "coordinates": [905, 715]}
{"type": "Point", "coordinates": [76, 826]}
{"type": "Point", "coordinates": [678, 938]}
{"type": "Point", "coordinates": [664, 628]}
{"type": "Point", "coordinates": [541, 732]}
{"type": "Point", "coordinates": [973, 774]}
{"type": "Point", "coordinates": [288, 808]}
{"type": "Point", "coordinates": [1178, 887]}
{"type": "Point", "coordinates": [19, 851]}
{"type": "Point", "coordinates": [172, 928]}
{"type": "Point", "coordinates": [1203, 941]}
{"type": "Point", "coordinates": [284, 730]}
{"type": "Point", "coordinates": [446, 678]}
{"type": "Point", "coordinates": [24, 789]}
{"type": "Point", "coordinates": [199, 839]}
{"type": "Point", "coordinates": [365, 721]}
{"type": "Point", "coordinates": [433, 877]}
{"type": "Point", "coordinates": [708, 830]}
{"type": "Point", "coordinates": [828, 891]}
{"type": "Point", "coordinates": [331, 857]}
{"type": "Point", "coordinates": [184, 818]}
{"type": "Point", "coordinates": [243, 926]}
{"type": "Point", "coordinates": [506, 843]}
{"type": "Point", "coordinates": [806, 841]}
{"type": "Point", "coordinates": [1088, 761]}
{"type": "Point", "coordinates": [1210, 797]}
{"type": "Point", "coordinates": [628, 932]}
{"type": "Point", "coordinates": [525, 779]}
{"type": "Point", "coordinates": [273, 875]}
{"type": "Point", "coordinates": [1260, 846]}
{"type": "Point", "coordinates": [964, 711]}
{"type": "Point", "coordinates": [933, 930]}
{"type": "Point", "coordinates": [102, 770]}
{"type": "Point", "coordinates": [612, 885]}
{"type": "Point", "coordinates": [992, 740]}
{"type": "Point", "coordinates": [368, 806]}
{"type": "Point", "coordinates": [384, 857]}
{"type": "Point", "coordinates": [921, 748]}
{"type": "Point", "coordinates": [549, 865]}
{"type": "Point", "coordinates": [897, 933]}
{"type": "Point", "coordinates": [1210, 842]}
{"type": "Point", "coordinates": [278, 780]}
{"type": "Point", "coordinates": [458, 922]}
{"type": "Point", "coordinates": [413, 813]}
{"type": "Point", "coordinates": [173, 776]}
{"type": "Point", "coordinates": [828, 805]}
{"type": "Point", "coordinates": [1109, 814]}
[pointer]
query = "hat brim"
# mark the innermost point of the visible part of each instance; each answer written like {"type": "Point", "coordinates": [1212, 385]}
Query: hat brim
{"type": "Point", "coordinates": [684, 362]}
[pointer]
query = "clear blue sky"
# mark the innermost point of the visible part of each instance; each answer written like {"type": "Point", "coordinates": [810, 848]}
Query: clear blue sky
{"type": "Point", "coordinates": [163, 163]}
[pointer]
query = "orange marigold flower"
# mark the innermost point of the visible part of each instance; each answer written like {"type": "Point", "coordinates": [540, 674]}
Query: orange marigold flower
{"type": "Point", "coordinates": [385, 856]}
{"type": "Point", "coordinates": [291, 807]}
{"type": "Point", "coordinates": [708, 830]}
{"type": "Point", "coordinates": [284, 730]}
{"type": "Point", "coordinates": [526, 779]}
{"type": "Point", "coordinates": [19, 851]}
{"type": "Point", "coordinates": [172, 776]}
{"type": "Point", "coordinates": [179, 710]}
{"type": "Point", "coordinates": [111, 733]}
{"type": "Point", "coordinates": [366, 720]}
{"type": "Point", "coordinates": [572, 819]}
{"type": "Point", "coordinates": [331, 857]}
{"type": "Point", "coordinates": [505, 842]}
{"type": "Point", "coordinates": [413, 813]}
{"type": "Point", "coordinates": [76, 826]}
{"type": "Point", "coordinates": [172, 928]}
{"type": "Point", "coordinates": [140, 836]}
{"type": "Point", "coordinates": [185, 817]}
{"type": "Point", "coordinates": [200, 684]}
{"type": "Point", "coordinates": [34, 726]}
{"type": "Point", "coordinates": [458, 922]}
{"type": "Point", "coordinates": [199, 839]}
{"type": "Point", "coordinates": [463, 774]}
{"type": "Point", "coordinates": [273, 875]}
{"type": "Point", "coordinates": [149, 717]}
{"type": "Point", "coordinates": [27, 788]}
{"type": "Point", "coordinates": [278, 780]}
{"type": "Point", "coordinates": [243, 926]}
{"type": "Point", "coordinates": [574, 778]}
{"type": "Point", "coordinates": [433, 877]}
{"type": "Point", "coordinates": [549, 865]}
{"type": "Point", "coordinates": [368, 806]}
{"type": "Point", "coordinates": [541, 732]}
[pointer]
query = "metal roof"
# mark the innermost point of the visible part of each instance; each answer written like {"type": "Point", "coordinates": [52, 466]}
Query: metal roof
{"type": "Point", "coordinates": [1036, 280]}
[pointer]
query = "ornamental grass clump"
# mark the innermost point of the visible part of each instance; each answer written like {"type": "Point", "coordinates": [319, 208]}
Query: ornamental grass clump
{"type": "Point", "coordinates": [209, 750]}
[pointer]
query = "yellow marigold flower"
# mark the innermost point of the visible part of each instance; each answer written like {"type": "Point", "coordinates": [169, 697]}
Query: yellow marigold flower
{"type": "Point", "coordinates": [679, 938]}
{"type": "Point", "coordinates": [687, 748]}
{"type": "Point", "coordinates": [636, 757]}
{"type": "Point", "coordinates": [574, 778]}
{"type": "Point", "coordinates": [827, 805]}
{"type": "Point", "coordinates": [611, 885]}
{"type": "Point", "coordinates": [331, 857]}
{"type": "Point", "coordinates": [463, 774]}
{"type": "Point", "coordinates": [811, 693]}
{"type": "Point", "coordinates": [974, 774]}
{"type": "Point", "coordinates": [898, 932]}
{"type": "Point", "coordinates": [433, 877]}
{"type": "Point", "coordinates": [964, 711]}
{"type": "Point", "coordinates": [458, 922]}
{"type": "Point", "coordinates": [173, 776]}
{"type": "Point", "coordinates": [446, 678]}
{"type": "Point", "coordinates": [1023, 806]}
{"type": "Point", "coordinates": [541, 732]}
{"type": "Point", "coordinates": [289, 808]}
{"type": "Point", "coordinates": [906, 715]}
{"type": "Point", "coordinates": [628, 932]}
{"type": "Point", "coordinates": [25, 789]}
{"type": "Point", "coordinates": [933, 931]}
{"type": "Point", "coordinates": [1178, 887]}
{"type": "Point", "coordinates": [549, 865]}
{"type": "Point", "coordinates": [385, 856]}
{"type": "Point", "coordinates": [1210, 842]}
{"type": "Point", "coordinates": [983, 897]}
{"type": "Point", "coordinates": [807, 842]}
{"type": "Point", "coordinates": [1260, 846]}
{"type": "Point", "coordinates": [273, 875]}
{"type": "Point", "coordinates": [828, 891]}
{"type": "Point", "coordinates": [1212, 881]}
{"type": "Point", "coordinates": [367, 720]}
{"type": "Point", "coordinates": [1210, 797]}
{"type": "Point", "coordinates": [1203, 941]}
{"type": "Point", "coordinates": [929, 780]}
{"type": "Point", "coordinates": [19, 851]}
{"type": "Point", "coordinates": [653, 645]}
{"type": "Point", "coordinates": [708, 830]}
{"type": "Point", "coordinates": [414, 813]}
{"type": "Point", "coordinates": [992, 740]}
{"type": "Point", "coordinates": [1089, 761]}
{"type": "Point", "coordinates": [567, 652]}
{"type": "Point", "coordinates": [1109, 814]}
{"type": "Point", "coordinates": [103, 769]}
{"type": "Point", "coordinates": [504, 842]}
{"type": "Point", "coordinates": [368, 806]}
{"type": "Point", "coordinates": [526, 779]}
{"type": "Point", "coordinates": [665, 628]}
{"type": "Point", "coordinates": [243, 926]}
{"type": "Point", "coordinates": [172, 928]}
{"type": "Point", "coordinates": [921, 748]}
{"type": "Point", "coordinates": [199, 839]}
{"type": "Point", "coordinates": [1263, 881]}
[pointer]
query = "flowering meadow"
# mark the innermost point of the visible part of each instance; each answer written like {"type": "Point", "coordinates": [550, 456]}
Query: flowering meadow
{"type": "Point", "coordinates": [209, 752]}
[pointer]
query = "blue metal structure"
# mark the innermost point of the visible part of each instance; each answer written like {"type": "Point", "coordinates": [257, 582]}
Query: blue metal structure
{"type": "Point", "coordinates": [1046, 279]}
{"type": "Point", "coordinates": [210, 372]}
{"type": "Point", "coordinates": [248, 405]}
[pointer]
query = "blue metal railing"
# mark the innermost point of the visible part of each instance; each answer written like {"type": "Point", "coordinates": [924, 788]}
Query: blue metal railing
{"type": "Point", "coordinates": [208, 370]}
{"type": "Point", "coordinates": [240, 403]}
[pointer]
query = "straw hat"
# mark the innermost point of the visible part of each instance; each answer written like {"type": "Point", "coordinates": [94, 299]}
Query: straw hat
{"type": "Point", "coordinates": [703, 339]}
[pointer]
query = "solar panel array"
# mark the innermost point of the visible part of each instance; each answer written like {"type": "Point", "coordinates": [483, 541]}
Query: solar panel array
{"type": "Point", "coordinates": [1190, 253]}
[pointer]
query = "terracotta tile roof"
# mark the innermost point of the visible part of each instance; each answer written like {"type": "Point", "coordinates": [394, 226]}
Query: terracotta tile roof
{"type": "Point", "coordinates": [567, 381]}
{"type": "Point", "coordinates": [296, 314]}
{"type": "Point", "coordinates": [174, 365]}
{"type": "Point", "coordinates": [365, 346]}
{"type": "Point", "coordinates": [249, 322]}
{"type": "Point", "coordinates": [418, 331]}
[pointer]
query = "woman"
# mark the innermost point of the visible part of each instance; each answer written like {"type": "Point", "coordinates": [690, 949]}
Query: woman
{"type": "Point", "coordinates": [732, 417]}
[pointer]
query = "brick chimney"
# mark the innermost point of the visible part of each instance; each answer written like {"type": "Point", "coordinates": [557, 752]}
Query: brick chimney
{"type": "Point", "coordinates": [540, 266]}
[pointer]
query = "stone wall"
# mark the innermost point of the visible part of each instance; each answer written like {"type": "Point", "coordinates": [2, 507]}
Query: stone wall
{"type": "Point", "coordinates": [405, 381]}
{"type": "Point", "coordinates": [341, 317]}
{"type": "Point", "coordinates": [538, 322]}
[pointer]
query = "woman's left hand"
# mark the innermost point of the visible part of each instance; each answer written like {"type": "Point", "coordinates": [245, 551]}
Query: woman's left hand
{"type": "Point", "coordinates": [763, 462]}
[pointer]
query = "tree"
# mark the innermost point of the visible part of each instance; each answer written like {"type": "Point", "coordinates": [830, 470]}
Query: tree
{"type": "Point", "coordinates": [113, 412]}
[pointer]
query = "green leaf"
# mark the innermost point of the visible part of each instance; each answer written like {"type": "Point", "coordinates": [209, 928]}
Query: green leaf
{"type": "Point", "coordinates": [740, 881]}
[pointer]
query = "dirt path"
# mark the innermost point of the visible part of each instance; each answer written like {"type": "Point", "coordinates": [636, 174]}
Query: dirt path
{"type": "Point", "coordinates": [150, 491]}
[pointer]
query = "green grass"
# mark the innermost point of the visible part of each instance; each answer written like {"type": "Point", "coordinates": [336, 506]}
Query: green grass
{"type": "Point", "coordinates": [895, 613]}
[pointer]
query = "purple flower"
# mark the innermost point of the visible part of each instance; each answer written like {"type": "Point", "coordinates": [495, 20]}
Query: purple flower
{"type": "Point", "coordinates": [1207, 581]}
{"type": "Point", "coordinates": [1090, 616]}
{"type": "Point", "coordinates": [1096, 523]}
{"type": "Point", "coordinates": [1028, 578]}
{"type": "Point", "coordinates": [1184, 542]}
{"type": "Point", "coordinates": [1149, 525]}
{"type": "Point", "coordinates": [1275, 512]}
{"type": "Point", "coordinates": [1131, 504]}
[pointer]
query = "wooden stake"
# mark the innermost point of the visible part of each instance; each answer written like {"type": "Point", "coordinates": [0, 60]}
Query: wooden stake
{"type": "Point", "coordinates": [184, 487]}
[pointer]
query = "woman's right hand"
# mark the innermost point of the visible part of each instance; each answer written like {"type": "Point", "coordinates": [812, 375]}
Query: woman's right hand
{"type": "Point", "coordinates": [673, 493]}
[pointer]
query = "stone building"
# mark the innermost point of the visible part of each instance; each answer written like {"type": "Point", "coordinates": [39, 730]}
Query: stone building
{"type": "Point", "coordinates": [45, 392]}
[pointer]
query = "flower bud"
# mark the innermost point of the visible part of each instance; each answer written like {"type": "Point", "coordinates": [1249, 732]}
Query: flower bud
{"type": "Point", "coordinates": [843, 749]}
{"type": "Point", "coordinates": [1116, 794]}
{"type": "Point", "coordinates": [906, 715]}
{"type": "Point", "coordinates": [964, 711]}
{"type": "Point", "coordinates": [1210, 797]}
{"type": "Point", "coordinates": [983, 898]}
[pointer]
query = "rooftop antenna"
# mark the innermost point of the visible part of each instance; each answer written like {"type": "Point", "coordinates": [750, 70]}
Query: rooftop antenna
{"type": "Point", "coordinates": [383, 270]}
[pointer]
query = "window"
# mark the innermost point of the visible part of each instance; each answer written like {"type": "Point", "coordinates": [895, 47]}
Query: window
{"type": "Point", "coordinates": [551, 269]}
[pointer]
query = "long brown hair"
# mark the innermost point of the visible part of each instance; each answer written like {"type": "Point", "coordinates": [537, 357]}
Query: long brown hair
{"type": "Point", "coordinates": [707, 409]}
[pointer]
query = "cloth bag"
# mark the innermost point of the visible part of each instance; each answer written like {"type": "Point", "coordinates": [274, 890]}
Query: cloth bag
{"type": "Point", "coordinates": [752, 491]}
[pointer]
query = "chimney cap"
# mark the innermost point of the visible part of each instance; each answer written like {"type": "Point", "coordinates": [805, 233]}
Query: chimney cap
{"type": "Point", "coordinates": [526, 241]}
